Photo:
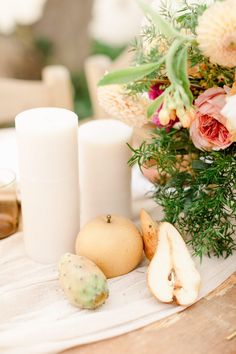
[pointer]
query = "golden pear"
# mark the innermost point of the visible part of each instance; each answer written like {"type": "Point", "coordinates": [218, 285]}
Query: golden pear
{"type": "Point", "coordinates": [113, 243]}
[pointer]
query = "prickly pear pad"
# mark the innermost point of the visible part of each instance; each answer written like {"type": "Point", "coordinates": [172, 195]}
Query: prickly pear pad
{"type": "Point", "coordinates": [84, 284]}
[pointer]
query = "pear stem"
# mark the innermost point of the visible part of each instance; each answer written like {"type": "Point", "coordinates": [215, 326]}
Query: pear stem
{"type": "Point", "coordinates": [108, 219]}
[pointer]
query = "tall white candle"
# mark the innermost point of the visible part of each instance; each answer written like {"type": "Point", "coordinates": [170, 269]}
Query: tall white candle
{"type": "Point", "coordinates": [47, 141]}
{"type": "Point", "coordinates": [105, 177]}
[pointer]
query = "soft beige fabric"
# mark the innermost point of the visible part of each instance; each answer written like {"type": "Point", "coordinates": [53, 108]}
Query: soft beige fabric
{"type": "Point", "coordinates": [36, 318]}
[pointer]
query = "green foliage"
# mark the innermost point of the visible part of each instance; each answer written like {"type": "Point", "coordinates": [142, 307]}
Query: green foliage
{"type": "Point", "coordinates": [98, 47]}
{"type": "Point", "coordinates": [152, 44]}
{"type": "Point", "coordinates": [162, 25]}
{"type": "Point", "coordinates": [167, 51]}
{"type": "Point", "coordinates": [45, 47]}
{"type": "Point", "coordinates": [198, 197]}
{"type": "Point", "coordinates": [153, 107]}
{"type": "Point", "coordinates": [164, 150]}
{"type": "Point", "coordinates": [187, 17]}
{"type": "Point", "coordinates": [129, 74]}
{"type": "Point", "coordinates": [182, 70]}
{"type": "Point", "coordinates": [82, 104]}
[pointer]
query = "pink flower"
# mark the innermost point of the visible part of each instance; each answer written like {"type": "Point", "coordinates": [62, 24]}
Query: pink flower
{"type": "Point", "coordinates": [208, 130]}
{"type": "Point", "coordinates": [155, 91]}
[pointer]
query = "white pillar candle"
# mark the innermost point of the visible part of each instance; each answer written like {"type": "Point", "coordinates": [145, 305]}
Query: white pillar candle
{"type": "Point", "coordinates": [105, 177]}
{"type": "Point", "coordinates": [47, 141]}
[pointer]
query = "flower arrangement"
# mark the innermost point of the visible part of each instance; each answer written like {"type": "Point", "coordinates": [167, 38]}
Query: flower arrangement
{"type": "Point", "coordinates": [183, 81]}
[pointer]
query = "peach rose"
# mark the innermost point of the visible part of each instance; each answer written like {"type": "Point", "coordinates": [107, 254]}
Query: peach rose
{"type": "Point", "coordinates": [209, 129]}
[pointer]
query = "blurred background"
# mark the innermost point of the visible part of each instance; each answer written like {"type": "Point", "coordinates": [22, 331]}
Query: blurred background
{"type": "Point", "coordinates": [37, 33]}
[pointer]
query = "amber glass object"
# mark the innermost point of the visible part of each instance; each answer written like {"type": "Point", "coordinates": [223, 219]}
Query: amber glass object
{"type": "Point", "coordinates": [9, 208]}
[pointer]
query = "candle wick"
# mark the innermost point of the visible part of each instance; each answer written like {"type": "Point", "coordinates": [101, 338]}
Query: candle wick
{"type": "Point", "coordinates": [108, 219]}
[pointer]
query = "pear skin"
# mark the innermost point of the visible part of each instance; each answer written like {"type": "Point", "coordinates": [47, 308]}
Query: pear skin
{"type": "Point", "coordinates": [149, 229]}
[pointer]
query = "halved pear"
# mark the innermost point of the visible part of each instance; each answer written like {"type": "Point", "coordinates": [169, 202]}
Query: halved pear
{"type": "Point", "coordinates": [149, 233]}
{"type": "Point", "coordinates": [160, 269]}
{"type": "Point", "coordinates": [172, 274]}
{"type": "Point", "coordinates": [187, 278]}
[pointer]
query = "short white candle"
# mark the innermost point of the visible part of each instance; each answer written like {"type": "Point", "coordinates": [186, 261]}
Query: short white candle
{"type": "Point", "coordinates": [47, 141]}
{"type": "Point", "coordinates": [105, 177]}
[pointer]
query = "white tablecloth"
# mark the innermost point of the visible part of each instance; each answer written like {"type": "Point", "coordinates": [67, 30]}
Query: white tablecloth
{"type": "Point", "coordinates": [34, 314]}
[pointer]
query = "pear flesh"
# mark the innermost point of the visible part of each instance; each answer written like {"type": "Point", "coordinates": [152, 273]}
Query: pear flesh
{"type": "Point", "coordinates": [172, 274]}
{"type": "Point", "coordinates": [159, 271]}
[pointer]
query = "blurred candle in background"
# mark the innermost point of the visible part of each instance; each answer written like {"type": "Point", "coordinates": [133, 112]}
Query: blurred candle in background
{"type": "Point", "coordinates": [47, 141]}
{"type": "Point", "coordinates": [105, 177]}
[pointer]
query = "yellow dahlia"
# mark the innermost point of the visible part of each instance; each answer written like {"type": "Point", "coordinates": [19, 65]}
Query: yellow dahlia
{"type": "Point", "coordinates": [131, 110]}
{"type": "Point", "coordinates": [216, 33]}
